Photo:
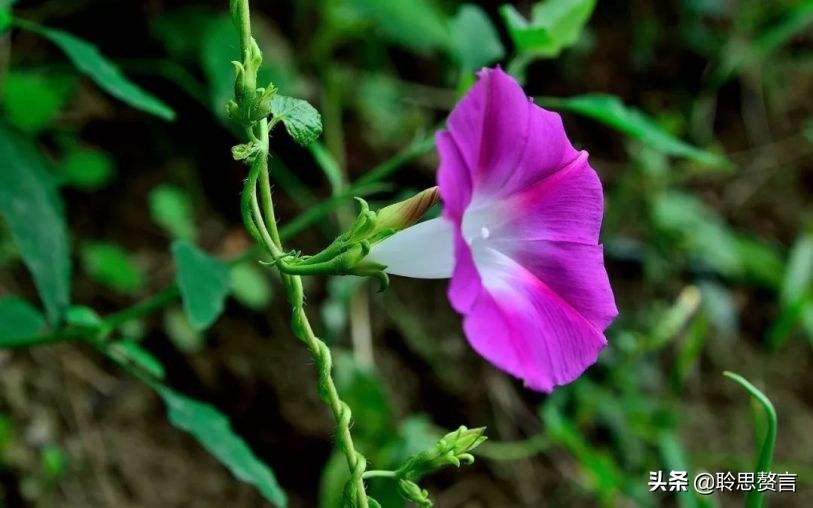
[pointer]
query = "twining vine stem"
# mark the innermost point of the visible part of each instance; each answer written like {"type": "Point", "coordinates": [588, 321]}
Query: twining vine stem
{"type": "Point", "coordinates": [260, 220]}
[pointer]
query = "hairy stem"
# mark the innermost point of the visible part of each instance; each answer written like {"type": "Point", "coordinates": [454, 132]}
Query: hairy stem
{"type": "Point", "coordinates": [304, 332]}
{"type": "Point", "coordinates": [356, 462]}
{"type": "Point", "coordinates": [260, 219]}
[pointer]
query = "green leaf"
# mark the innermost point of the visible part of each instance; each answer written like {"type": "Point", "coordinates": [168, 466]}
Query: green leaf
{"type": "Point", "coordinates": [335, 309]}
{"type": "Point", "coordinates": [737, 56]}
{"type": "Point", "coordinates": [796, 20]}
{"type": "Point", "coordinates": [5, 16]}
{"type": "Point", "coordinates": [329, 166]}
{"type": "Point", "coordinates": [131, 352]}
{"type": "Point", "coordinates": [31, 100]}
{"type": "Point", "coordinates": [332, 481]}
{"type": "Point", "coordinates": [387, 119]}
{"type": "Point", "coordinates": [80, 315]}
{"type": "Point", "coordinates": [795, 291]}
{"type": "Point", "coordinates": [33, 212]}
{"type": "Point", "coordinates": [54, 462]}
{"type": "Point", "coordinates": [213, 430]}
{"type": "Point", "coordinates": [171, 208]}
{"type": "Point", "coordinates": [415, 434]}
{"type": "Point", "coordinates": [112, 266]}
{"type": "Point", "coordinates": [18, 319]}
{"type": "Point", "coordinates": [86, 168]}
{"type": "Point", "coordinates": [674, 457]}
{"type": "Point", "coordinates": [219, 46]}
{"type": "Point", "coordinates": [718, 304]}
{"type": "Point", "coordinates": [602, 474]}
{"type": "Point", "coordinates": [711, 243]}
{"type": "Point", "coordinates": [6, 438]}
{"type": "Point", "coordinates": [301, 120]}
{"type": "Point", "coordinates": [761, 261]}
{"type": "Point", "coordinates": [182, 30]}
{"type": "Point", "coordinates": [364, 392]}
{"type": "Point", "coordinates": [416, 24]}
{"type": "Point", "coordinates": [799, 270]}
{"type": "Point", "coordinates": [554, 26]}
{"type": "Point", "coordinates": [181, 333]}
{"type": "Point", "coordinates": [610, 111]}
{"type": "Point", "coordinates": [86, 57]}
{"type": "Point", "coordinates": [790, 316]}
{"type": "Point", "coordinates": [250, 286]}
{"type": "Point", "coordinates": [204, 283]}
{"type": "Point", "coordinates": [475, 41]}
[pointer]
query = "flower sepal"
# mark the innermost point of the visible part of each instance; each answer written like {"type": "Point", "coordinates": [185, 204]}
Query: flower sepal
{"type": "Point", "coordinates": [341, 258]}
{"type": "Point", "coordinates": [348, 254]}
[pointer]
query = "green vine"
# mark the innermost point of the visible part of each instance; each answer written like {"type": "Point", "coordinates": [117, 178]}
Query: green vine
{"type": "Point", "coordinates": [260, 220]}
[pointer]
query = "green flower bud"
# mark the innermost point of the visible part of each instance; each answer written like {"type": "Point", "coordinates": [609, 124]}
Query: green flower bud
{"type": "Point", "coordinates": [411, 491]}
{"type": "Point", "coordinates": [244, 151]}
{"type": "Point", "coordinates": [452, 449]}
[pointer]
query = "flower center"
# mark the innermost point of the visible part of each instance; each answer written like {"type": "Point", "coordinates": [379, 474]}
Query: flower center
{"type": "Point", "coordinates": [481, 223]}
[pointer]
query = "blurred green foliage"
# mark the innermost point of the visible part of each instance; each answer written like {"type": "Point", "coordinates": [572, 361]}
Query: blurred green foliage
{"type": "Point", "coordinates": [18, 318]}
{"type": "Point", "coordinates": [203, 282]}
{"type": "Point", "coordinates": [251, 286]}
{"type": "Point", "coordinates": [185, 337]}
{"type": "Point", "coordinates": [695, 265]}
{"type": "Point", "coordinates": [34, 214]}
{"type": "Point", "coordinates": [86, 168]}
{"type": "Point", "coordinates": [88, 60]}
{"type": "Point", "coordinates": [32, 100]}
{"type": "Point", "coordinates": [113, 266]}
{"type": "Point", "coordinates": [213, 429]}
{"type": "Point", "coordinates": [171, 208]}
{"type": "Point", "coordinates": [553, 26]}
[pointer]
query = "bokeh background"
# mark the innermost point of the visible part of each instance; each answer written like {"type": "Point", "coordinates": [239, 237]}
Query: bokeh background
{"type": "Point", "coordinates": [709, 251]}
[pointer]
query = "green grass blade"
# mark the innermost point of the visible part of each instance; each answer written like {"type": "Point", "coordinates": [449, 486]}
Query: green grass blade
{"type": "Point", "coordinates": [755, 498]}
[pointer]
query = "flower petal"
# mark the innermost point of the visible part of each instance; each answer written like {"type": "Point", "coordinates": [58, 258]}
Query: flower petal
{"type": "Point", "coordinates": [520, 325]}
{"type": "Point", "coordinates": [506, 141]}
{"type": "Point", "coordinates": [454, 179]}
{"type": "Point", "coordinates": [529, 276]}
{"type": "Point", "coordinates": [573, 271]}
{"type": "Point", "coordinates": [465, 285]}
{"type": "Point", "coordinates": [566, 206]}
{"type": "Point", "coordinates": [423, 251]}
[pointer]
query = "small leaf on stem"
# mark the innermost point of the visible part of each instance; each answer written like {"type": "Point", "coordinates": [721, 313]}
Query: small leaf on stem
{"type": "Point", "coordinates": [302, 121]}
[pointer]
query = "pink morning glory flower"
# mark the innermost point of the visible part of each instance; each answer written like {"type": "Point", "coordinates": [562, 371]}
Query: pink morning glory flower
{"type": "Point", "coordinates": [518, 237]}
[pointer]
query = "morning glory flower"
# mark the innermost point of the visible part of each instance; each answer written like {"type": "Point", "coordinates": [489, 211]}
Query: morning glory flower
{"type": "Point", "coordinates": [518, 236]}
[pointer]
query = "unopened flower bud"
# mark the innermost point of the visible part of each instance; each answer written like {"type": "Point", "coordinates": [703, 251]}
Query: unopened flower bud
{"type": "Point", "coordinates": [401, 215]}
{"type": "Point", "coordinates": [411, 491]}
{"type": "Point", "coordinates": [453, 449]}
